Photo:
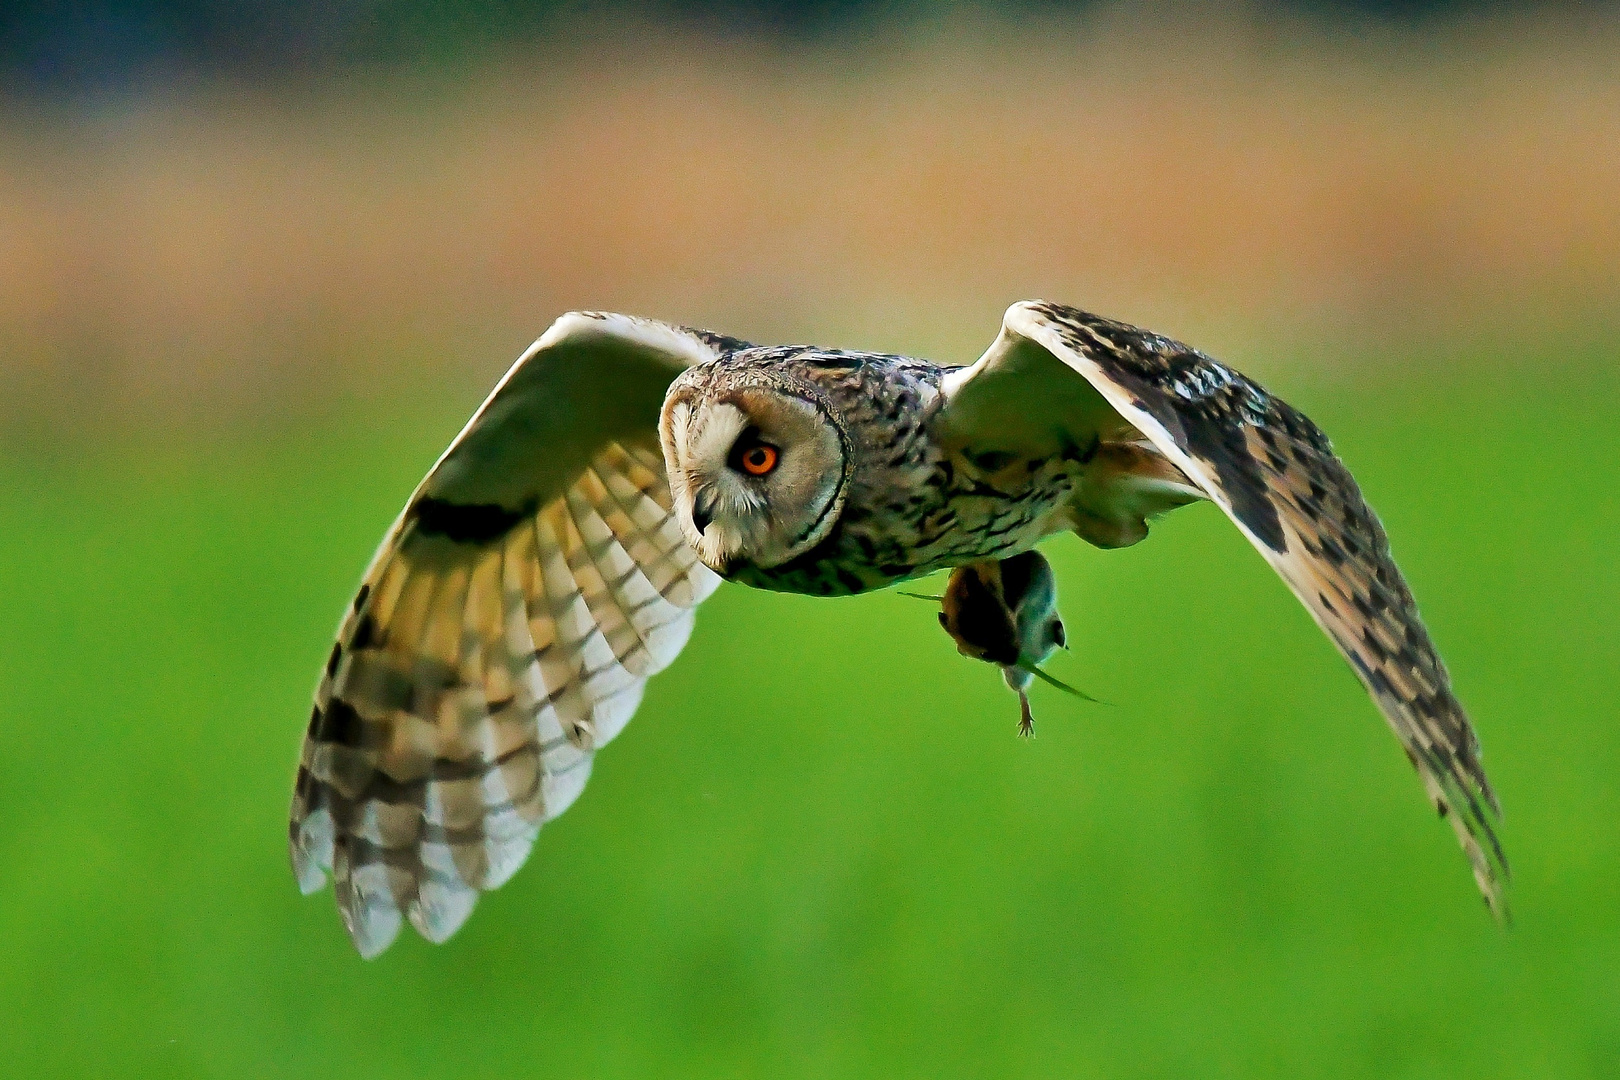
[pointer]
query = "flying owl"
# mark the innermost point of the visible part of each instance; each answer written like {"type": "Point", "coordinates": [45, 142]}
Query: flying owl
{"type": "Point", "coordinates": [552, 559]}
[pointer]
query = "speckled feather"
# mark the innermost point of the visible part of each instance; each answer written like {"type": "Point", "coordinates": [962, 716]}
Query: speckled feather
{"type": "Point", "coordinates": [542, 572]}
{"type": "Point", "coordinates": [1277, 476]}
{"type": "Point", "coordinates": [489, 653]}
{"type": "Point", "coordinates": [914, 506]}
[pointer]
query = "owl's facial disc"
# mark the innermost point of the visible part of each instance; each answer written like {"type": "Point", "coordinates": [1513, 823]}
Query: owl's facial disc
{"type": "Point", "coordinates": [756, 473]}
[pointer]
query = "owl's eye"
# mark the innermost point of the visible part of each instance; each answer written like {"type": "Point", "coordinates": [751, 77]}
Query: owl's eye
{"type": "Point", "coordinates": [755, 458]}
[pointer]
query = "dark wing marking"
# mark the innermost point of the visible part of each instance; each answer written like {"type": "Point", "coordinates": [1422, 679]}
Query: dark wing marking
{"type": "Point", "coordinates": [503, 633]}
{"type": "Point", "coordinates": [1276, 476]}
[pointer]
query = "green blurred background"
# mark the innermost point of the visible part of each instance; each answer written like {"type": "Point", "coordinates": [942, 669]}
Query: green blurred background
{"type": "Point", "coordinates": [248, 293]}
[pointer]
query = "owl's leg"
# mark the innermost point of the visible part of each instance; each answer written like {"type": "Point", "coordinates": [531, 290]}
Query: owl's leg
{"type": "Point", "coordinates": [1026, 723]}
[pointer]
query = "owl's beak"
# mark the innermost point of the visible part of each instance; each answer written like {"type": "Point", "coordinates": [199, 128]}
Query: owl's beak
{"type": "Point", "coordinates": [702, 513]}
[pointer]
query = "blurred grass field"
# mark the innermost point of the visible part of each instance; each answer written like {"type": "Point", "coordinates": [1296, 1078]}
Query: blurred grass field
{"type": "Point", "coordinates": [820, 850]}
{"type": "Point", "coordinates": [1230, 177]}
{"type": "Point", "coordinates": [239, 319]}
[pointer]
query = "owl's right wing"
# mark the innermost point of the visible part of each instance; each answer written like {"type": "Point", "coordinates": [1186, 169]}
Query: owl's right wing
{"type": "Point", "coordinates": [503, 632]}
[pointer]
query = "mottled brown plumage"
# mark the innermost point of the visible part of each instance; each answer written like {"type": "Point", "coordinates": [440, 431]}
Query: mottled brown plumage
{"type": "Point", "coordinates": [1276, 475]}
{"type": "Point", "coordinates": [550, 562]}
{"type": "Point", "coordinates": [493, 647]}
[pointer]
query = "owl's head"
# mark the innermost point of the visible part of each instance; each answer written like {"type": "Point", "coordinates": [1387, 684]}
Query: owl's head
{"type": "Point", "coordinates": [758, 464]}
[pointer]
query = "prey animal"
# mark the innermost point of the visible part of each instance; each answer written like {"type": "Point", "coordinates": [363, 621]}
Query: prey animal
{"type": "Point", "coordinates": [551, 560]}
{"type": "Point", "coordinates": [1005, 613]}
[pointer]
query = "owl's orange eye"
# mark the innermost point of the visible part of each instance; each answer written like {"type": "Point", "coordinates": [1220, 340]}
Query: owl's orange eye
{"type": "Point", "coordinates": [759, 459]}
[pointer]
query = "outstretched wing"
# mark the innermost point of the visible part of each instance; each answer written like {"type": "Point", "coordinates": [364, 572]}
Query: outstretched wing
{"type": "Point", "coordinates": [1276, 476]}
{"type": "Point", "coordinates": [503, 632]}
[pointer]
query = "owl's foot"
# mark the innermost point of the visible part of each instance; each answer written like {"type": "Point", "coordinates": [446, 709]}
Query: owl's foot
{"type": "Point", "coordinates": [1026, 723]}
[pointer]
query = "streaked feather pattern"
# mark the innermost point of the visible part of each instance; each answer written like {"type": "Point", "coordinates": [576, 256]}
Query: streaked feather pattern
{"type": "Point", "coordinates": [1277, 477]}
{"type": "Point", "coordinates": [470, 687]}
{"type": "Point", "coordinates": [487, 655]}
{"type": "Point", "coordinates": [544, 570]}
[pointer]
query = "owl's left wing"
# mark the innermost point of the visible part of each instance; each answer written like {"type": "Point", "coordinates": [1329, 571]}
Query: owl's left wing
{"type": "Point", "coordinates": [503, 633]}
{"type": "Point", "coordinates": [1276, 476]}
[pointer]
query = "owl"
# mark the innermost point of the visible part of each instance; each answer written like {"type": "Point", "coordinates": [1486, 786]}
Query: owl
{"type": "Point", "coordinates": [552, 559]}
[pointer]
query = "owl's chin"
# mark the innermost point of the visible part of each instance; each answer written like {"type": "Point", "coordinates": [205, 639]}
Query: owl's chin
{"type": "Point", "coordinates": [717, 548]}
{"type": "Point", "coordinates": [719, 566]}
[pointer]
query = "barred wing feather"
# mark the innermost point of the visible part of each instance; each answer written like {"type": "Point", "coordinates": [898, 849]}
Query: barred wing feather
{"type": "Point", "coordinates": [1276, 476]}
{"type": "Point", "coordinates": [503, 633]}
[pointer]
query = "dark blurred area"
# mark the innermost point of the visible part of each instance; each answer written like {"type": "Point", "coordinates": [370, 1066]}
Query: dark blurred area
{"type": "Point", "coordinates": [94, 46]}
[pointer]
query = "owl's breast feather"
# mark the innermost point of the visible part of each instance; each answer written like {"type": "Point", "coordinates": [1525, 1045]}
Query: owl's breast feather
{"type": "Point", "coordinates": [932, 513]}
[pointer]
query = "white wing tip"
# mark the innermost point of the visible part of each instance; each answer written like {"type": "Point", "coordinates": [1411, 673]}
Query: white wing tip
{"type": "Point", "coordinates": [311, 851]}
{"type": "Point", "coordinates": [506, 856]}
{"type": "Point", "coordinates": [559, 790]}
{"type": "Point", "coordinates": [372, 927]}
{"type": "Point", "coordinates": [441, 909]}
{"type": "Point", "coordinates": [311, 878]}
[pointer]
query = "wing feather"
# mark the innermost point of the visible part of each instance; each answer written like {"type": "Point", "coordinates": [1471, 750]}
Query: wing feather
{"type": "Point", "coordinates": [503, 633]}
{"type": "Point", "coordinates": [1276, 476]}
